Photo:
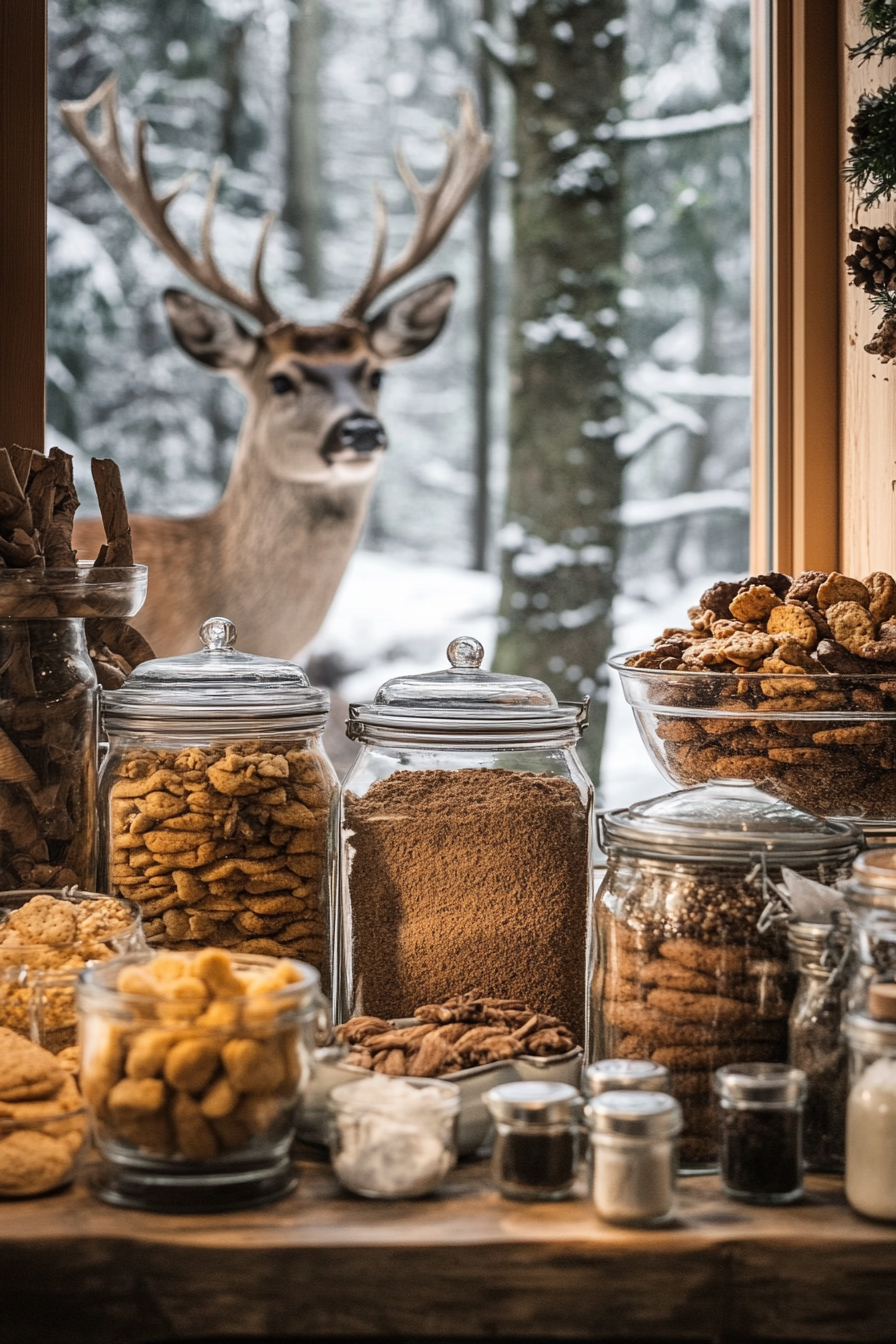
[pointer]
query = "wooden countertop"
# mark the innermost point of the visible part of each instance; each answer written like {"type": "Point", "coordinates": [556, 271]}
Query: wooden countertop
{"type": "Point", "coordinates": [463, 1263]}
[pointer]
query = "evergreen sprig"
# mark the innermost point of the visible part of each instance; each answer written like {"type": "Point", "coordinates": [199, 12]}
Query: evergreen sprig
{"type": "Point", "coordinates": [871, 165]}
{"type": "Point", "coordinates": [880, 17]}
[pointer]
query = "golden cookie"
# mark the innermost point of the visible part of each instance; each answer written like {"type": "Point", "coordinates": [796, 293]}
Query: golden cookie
{"type": "Point", "coordinates": [705, 957]}
{"type": "Point", "coordinates": [755, 604]}
{"type": "Point", "coordinates": [851, 625]}
{"type": "Point", "coordinates": [882, 588]}
{"type": "Point", "coordinates": [839, 588]}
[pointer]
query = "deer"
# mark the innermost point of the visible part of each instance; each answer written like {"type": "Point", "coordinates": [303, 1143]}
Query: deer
{"type": "Point", "coordinates": [272, 553]}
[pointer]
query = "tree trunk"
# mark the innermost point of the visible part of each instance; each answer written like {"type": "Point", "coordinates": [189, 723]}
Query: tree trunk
{"type": "Point", "coordinates": [485, 309]}
{"type": "Point", "coordinates": [561, 537]}
{"type": "Point", "coordinates": [303, 208]}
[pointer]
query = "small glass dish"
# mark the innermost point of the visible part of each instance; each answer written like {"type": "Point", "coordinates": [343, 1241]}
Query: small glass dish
{"type": "Point", "coordinates": [41, 1147]}
{"type": "Point", "coordinates": [85, 591]}
{"type": "Point", "coordinates": [386, 1143]}
{"type": "Point", "coordinates": [40, 962]}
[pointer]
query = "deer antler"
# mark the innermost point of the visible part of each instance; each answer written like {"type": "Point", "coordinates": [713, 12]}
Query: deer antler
{"type": "Point", "coordinates": [469, 151]}
{"type": "Point", "coordinates": [134, 186]}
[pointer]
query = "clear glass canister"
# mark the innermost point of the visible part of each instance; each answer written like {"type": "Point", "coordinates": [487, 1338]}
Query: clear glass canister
{"type": "Point", "coordinates": [48, 718]}
{"type": "Point", "coordinates": [761, 1132]}
{"type": "Point", "coordinates": [393, 1138]}
{"type": "Point", "coordinates": [871, 897]}
{"type": "Point", "coordinates": [466, 832]}
{"type": "Point", "coordinates": [871, 1116]}
{"type": "Point", "coordinates": [689, 953]}
{"type": "Point", "coordinates": [819, 955]}
{"type": "Point", "coordinates": [216, 799]}
{"type": "Point", "coordinates": [634, 1150]}
{"type": "Point", "coordinates": [193, 1065]}
{"type": "Point", "coordinates": [536, 1149]}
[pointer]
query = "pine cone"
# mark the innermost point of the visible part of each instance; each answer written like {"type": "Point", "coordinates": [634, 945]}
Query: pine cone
{"type": "Point", "coordinates": [873, 264]}
{"type": "Point", "coordinates": [883, 343]}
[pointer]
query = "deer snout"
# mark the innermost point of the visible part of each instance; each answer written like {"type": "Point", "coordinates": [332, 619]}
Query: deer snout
{"type": "Point", "coordinates": [354, 436]}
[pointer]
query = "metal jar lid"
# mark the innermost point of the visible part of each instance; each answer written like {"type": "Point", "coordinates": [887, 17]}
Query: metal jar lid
{"type": "Point", "coordinates": [873, 880]}
{"type": "Point", "coordinates": [219, 688]}
{"type": "Point", "coordinates": [729, 819]}
{"type": "Point", "coordinates": [533, 1103]}
{"type": "Point", "coordinates": [614, 1075]}
{"type": "Point", "coordinates": [868, 1035]}
{"type": "Point", "coordinates": [757, 1086]}
{"type": "Point", "coordinates": [464, 700]}
{"type": "Point", "coordinates": [634, 1115]}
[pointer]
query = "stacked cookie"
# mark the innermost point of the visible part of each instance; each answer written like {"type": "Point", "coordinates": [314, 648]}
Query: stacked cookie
{"type": "Point", "coordinates": [42, 1119]}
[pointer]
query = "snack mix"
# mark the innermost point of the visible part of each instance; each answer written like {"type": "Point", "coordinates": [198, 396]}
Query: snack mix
{"type": "Point", "coordinates": [224, 847]}
{"type": "Point", "coordinates": [205, 1065]}
{"type": "Point", "coordinates": [790, 646]}
{"type": "Point", "coordinates": [42, 1121]}
{"type": "Point", "coordinates": [459, 1034]}
{"type": "Point", "coordinates": [44, 944]}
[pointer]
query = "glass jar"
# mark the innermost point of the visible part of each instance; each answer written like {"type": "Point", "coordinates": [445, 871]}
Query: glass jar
{"type": "Point", "coordinates": [193, 1065]}
{"type": "Point", "coordinates": [871, 897]}
{"type": "Point", "coordinates": [536, 1148]}
{"type": "Point", "coordinates": [689, 953]}
{"type": "Point", "coordinates": [466, 832]}
{"type": "Point", "coordinates": [871, 1116]}
{"type": "Point", "coordinates": [216, 799]}
{"type": "Point", "coordinates": [393, 1138]}
{"type": "Point", "coordinates": [819, 954]}
{"type": "Point", "coordinates": [618, 1075]}
{"type": "Point", "coordinates": [761, 1132]}
{"type": "Point", "coordinates": [634, 1150]}
{"type": "Point", "coordinates": [48, 718]}
{"type": "Point", "coordinates": [46, 940]}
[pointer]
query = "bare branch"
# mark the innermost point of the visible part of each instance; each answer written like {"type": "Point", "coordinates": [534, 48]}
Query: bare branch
{"type": "Point", "coordinates": [135, 187]}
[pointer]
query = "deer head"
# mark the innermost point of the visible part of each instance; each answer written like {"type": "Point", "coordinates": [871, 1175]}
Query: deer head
{"type": "Point", "coordinates": [312, 390]}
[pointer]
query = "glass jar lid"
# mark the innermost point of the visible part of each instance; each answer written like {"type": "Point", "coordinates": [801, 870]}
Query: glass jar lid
{"type": "Point", "coordinates": [728, 819]}
{"type": "Point", "coordinates": [617, 1075]}
{"type": "Point", "coordinates": [873, 881]}
{"type": "Point", "coordinates": [533, 1103]}
{"type": "Point", "coordinates": [867, 1034]}
{"type": "Point", "coordinates": [755, 1086]}
{"type": "Point", "coordinates": [218, 685]}
{"type": "Point", "coordinates": [634, 1114]}
{"type": "Point", "coordinates": [463, 698]}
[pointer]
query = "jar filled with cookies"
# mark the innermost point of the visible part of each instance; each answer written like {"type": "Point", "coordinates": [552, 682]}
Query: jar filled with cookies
{"type": "Point", "coordinates": [689, 943]}
{"type": "Point", "coordinates": [215, 802]}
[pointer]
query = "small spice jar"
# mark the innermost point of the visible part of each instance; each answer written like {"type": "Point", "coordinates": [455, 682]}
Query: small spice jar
{"type": "Point", "coordinates": [634, 1147]}
{"type": "Point", "coordinates": [761, 1131]}
{"type": "Point", "coordinates": [871, 1115]}
{"type": "Point", "coordinates": [393, 1138]}
{"type": "Point", "coordinates": [871, 897]}
{"type": "Point", "coordinates": [819, 954]}
{"type": "Point", "coordinates": [536, 1150]}
{"type": "Point", "coordinates": [617, 1075]}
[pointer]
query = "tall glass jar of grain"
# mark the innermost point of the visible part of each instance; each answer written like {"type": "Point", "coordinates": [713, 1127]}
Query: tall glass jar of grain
{"type": "Point", "coordinates": [690, 959]}
{"type": "Point", "coordinates": [465, 857]}
{"type": "Point", "coordinates": [216, 799]}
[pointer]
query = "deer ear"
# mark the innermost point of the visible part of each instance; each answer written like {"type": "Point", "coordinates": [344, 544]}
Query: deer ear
{"type": "Point", "coordinates": [211, 335]}
{"type": "Point", "coordinates": [413, 321]}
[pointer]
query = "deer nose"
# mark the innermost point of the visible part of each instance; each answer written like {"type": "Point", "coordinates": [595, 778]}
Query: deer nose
{"type": "Point", "coordinates": [358, 433]}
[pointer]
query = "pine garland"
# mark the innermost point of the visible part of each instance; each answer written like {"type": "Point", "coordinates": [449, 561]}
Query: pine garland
{"type": "Point", "coordinates": [871, 165]}
{"type": "Point", "coordinates": [880, 17]}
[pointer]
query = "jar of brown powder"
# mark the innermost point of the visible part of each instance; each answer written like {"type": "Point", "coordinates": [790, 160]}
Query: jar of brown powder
{"type": "Point", "coordinates": [465, 857]}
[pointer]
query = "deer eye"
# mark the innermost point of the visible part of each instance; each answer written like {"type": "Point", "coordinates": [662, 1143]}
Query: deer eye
{"type": "Point", "coordinates": [280, 384]}
{"type": "Point", "coordinates": [376, 379]}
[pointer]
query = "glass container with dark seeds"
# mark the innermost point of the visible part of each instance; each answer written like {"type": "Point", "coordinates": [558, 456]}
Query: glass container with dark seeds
{"type": "Point", "coordinates": [536, 1150]}
{"type": "Point", "coordinates": [820, 955]}
{"type": "Point", "coordinates": [761, 1131]}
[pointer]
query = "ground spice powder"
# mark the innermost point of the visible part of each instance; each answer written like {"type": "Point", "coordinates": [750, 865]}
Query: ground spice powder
{"type": "Point", "coordinates": [463, 878]}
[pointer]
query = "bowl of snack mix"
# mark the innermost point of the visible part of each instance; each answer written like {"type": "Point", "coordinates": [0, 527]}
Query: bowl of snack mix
{"type": "Point", "coordinates": [790, 683]}
{"type": "Point", "coordinates": [46, 940]}
{"type": "Point", "coordinates": [43, 1120]}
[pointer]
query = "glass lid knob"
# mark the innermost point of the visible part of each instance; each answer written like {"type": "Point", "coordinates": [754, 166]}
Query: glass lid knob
{"type": "Point", "coordinates": [465, 652]}
{"type": "Point", "coordinates": [218, 633]}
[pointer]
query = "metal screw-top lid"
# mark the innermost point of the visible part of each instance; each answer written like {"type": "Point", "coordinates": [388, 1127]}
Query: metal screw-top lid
{"type": "Point", "coordinates": [728, 819]}
{"type": "Point", "coordinates": [868, 1035]}
{"type": "Point", "coordinates": [464, 698]}
{"type": "Point", "coordinates": [219, 685]}
{"type": "Point", "coordinates": [882, 1001]}
{"type": "Point", "coordinates": [873, 881]}
{"type": "Point", "coordinates": [533, 1103]}
{"type": "Point", "coordinates": [756, 1086]}
{"type": "Point", "coordinates": [614, 1075]}
{"type": "Point", "coordinates": [635, 1115]}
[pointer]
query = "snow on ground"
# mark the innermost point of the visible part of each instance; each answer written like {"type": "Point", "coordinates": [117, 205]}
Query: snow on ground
{"type": "Point", "coordinates": [393, 616]}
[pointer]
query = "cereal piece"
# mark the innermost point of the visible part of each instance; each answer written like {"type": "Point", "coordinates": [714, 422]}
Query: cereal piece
{"type": "Point", "coordinates": [216, 969]}
{"type": "Point", "coordinates": [795, 685]}
{"type": "Point", "coordinates": [720, 727]}
{"type": "Point", "coordinates": [258, 1114]}
{"type": "Point", "coordinates": [190, 1065]}
{"type": "Point", "coordinates": [835, 658]}
{"type": "Point", "coordinates": [708, 653]}
{"type": "Point", "coordinates": [786, 704]}
{"type": "Point", "coordinates": [193, 1134]}
{"type": "Point", "coordinates": [744, 649]}
{"type": "Point", "coordinates": [745, 767]}
{"type": "Point", "coordinates": [796, 624]}
{"type": "Point", "coordinates": [853, 733]}
{"type": "Point", "coordinates": [704, 957]}
{"type": "Point", "coordinates": [699, 1008]}
{"type": "Point", "coordinates": [799, 755]}
{"type": "Point", "coordinates": [882, 589]}
{"type": "Point", "coordinates": [252, 1067]}
{"type": "Point", "coordinates": [219, 1100]}
{"type": "Point", "coordinates": [146, 1056]}
{"type": "Point", "coordinates": [160, 806]}
{"type": "Point", "coordinates": [838, 588]}
{"type": "Point", "coordinates": [32, 1162]}
{"type": "Point", "coordinates": [133, 1098]}
{"type": "Point", "coordinates": [851, 625]}
{"type": "Point", "coordinates": [754, 604]}
{"type": "Point", "coordinates": [717, 599]}
{"type": "Point", "coordinates": [806, 585]}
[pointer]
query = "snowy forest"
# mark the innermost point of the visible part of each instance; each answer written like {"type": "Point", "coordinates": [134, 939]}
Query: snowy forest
{"type": "Point", "coordinates": [568, 463]}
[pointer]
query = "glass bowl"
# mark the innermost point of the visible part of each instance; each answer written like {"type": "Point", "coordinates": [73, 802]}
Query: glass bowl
{"type": "Point", "coordinates": [38, 977]}
{"type": "Point", "coordinates": [826, 744]}
{"type": "Point", "coordinates": [85, 591]}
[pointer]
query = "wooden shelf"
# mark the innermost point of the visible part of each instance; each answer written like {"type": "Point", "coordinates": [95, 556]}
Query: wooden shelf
{"type": "Point", "coordinates": [464, 1263]}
